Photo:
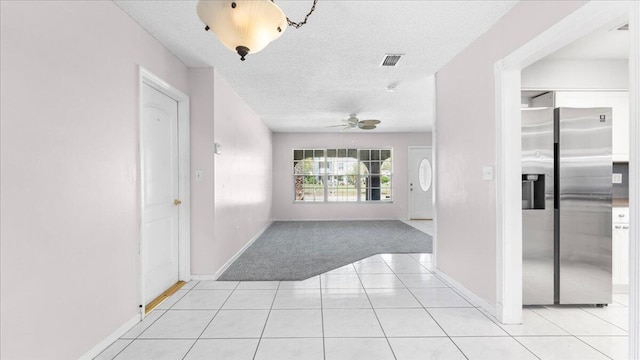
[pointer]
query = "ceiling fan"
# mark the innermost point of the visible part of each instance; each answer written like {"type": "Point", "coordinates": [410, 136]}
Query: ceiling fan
{"type": "Point", "coordinates": [353, 123]}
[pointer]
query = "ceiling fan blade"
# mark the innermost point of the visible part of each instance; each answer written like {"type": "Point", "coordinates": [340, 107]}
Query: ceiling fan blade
{"type": "Point", "coordinates": [367, 127]}
{"type": "Point", "coordinates": [370, 122]}
{"type": "Point", "coordinates": [335, 126]}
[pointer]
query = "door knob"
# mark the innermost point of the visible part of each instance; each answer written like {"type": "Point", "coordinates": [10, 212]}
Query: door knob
{"type": "Point", "coordinates": [176, 202]}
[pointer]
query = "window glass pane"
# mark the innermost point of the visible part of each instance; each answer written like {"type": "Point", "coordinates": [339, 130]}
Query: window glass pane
{"type": "Point", "coordinates": [319, 153]}
{"type": "Point", "coordinates": [297, 167]}
{"type": "Point", "coordinates": [364, 190]}
{"type": "Point", "coordinates": [364, 168]}
{"type": "Point", "coordinates": [374, 167]}
{"type": "Point", "coordinates": [342, 152]}
{"type": "Point", "coordinates": [298, 154]}
{"type": "Point", "coordinates": [385, 154]}
{"type": "Point", "coordinates": [308, 154]}
{"type": "Point", "coordinates": [364, 154]}
{"type": "Point", "coordinates": [307, 166]}
{"type": "Point", "coordinates": [385, 187]}
{"type": "Point", "coordinates": [313, 193]}
{"type": "Point", "coordinates": [331, 152]}
{"type": "Point", "coordinates": [351, 168]}
{"type": "Point", "coordinates": [298, 187]}
{"type": "Point", "coordinates": [352, 153]}
{"type": "Point", "coordinates": [385, 168]}
{"type": "Point", "coordinates": [375, 154]}
{"type": "Point", "coordinates": [312, 180]}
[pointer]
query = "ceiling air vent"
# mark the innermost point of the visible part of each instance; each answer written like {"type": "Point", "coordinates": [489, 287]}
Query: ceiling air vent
{"type": "Point", "coordinates": [391, 59]}
{"type": "Point", "coordinates": [624, 27]}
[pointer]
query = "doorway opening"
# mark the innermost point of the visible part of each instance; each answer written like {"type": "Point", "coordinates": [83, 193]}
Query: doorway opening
{"type": "Point", "coordinates": [585, 20]}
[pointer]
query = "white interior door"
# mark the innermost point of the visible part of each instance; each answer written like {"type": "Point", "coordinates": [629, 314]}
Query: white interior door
{"type": "Point", "coordinates": [420, 183]}
{"type": "Point", "coordinates": [160, 171]}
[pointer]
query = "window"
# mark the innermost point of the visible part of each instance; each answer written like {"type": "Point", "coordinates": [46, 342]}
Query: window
{"type": "Point", "coordinates": [342, 175]}
{"type": "Point", "coordinates": [308, 170]}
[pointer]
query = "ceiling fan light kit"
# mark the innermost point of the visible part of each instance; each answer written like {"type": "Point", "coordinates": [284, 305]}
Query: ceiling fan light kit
{"type": "Point", "coordinates": [245, 26]}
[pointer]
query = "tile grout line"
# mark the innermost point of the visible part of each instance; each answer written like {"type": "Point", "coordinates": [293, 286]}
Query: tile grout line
{"type": "Point", "coordinates": [568, 332]}
{"type": "Point", "coordinates": [210, 321]}
{"type": "Point", "coordinates": [145, 329]}
{"type": "Point", "coordinates": [589, 345]}
{"type": "Point", "coordinates": [479, 308]}
{"type": "Point", "coordinates": [376, 314]}
{"type": "Point", "coordinates": [434, 319]}
{"type": "Point", "coordinates": [267, 320]}
{"type": "Point", "coordinates": [523, 345]}
{"type": "Point", "coordinates": [595, 316]}
{"type": "Point", "coordinates": [603, 319]}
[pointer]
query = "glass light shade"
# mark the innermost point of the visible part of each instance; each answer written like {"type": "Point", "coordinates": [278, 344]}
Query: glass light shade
{"type": "Point", "coordinates": [251, 24]}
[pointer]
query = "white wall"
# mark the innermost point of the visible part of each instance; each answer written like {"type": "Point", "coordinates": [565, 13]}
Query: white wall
{"type": "Point", "coordinates": [285, 209]}
{"type": "Point", "coordinates": [69, 144]}
{"type": "Point", "coordinates": [201, 83]}
{"type": "Point", "coordinates": [466, 140]}
{"type": "Point", "coordinates": [70, 226]}
{"type": "Point", "coordinates": [575, 74]}
{"type": "Point", "coordinates": [243, 173]}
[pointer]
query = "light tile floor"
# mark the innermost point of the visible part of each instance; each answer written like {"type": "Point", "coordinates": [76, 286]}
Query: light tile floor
{"type": "Point", "coordinates": [388, 306]}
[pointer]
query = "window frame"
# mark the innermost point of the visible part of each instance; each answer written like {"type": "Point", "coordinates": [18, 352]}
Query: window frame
{"type": "Point", "coordinates": [359, 176]}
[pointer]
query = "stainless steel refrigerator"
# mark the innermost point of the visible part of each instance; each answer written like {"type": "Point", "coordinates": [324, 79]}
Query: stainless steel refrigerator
{"type": "Point", "coordinates": [566, 206]}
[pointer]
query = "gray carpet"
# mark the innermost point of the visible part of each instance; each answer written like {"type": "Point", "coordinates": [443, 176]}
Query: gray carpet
{"type": "Point", "coordinates": [298, 250]}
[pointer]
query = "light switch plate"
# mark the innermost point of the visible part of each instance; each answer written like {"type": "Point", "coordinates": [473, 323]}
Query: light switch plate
{"type": "Point", "coordinates": [217, 148]}
{"type": "Point", "coordinates": [617, 178]}
{"type": "Point", "coordinates": [487, 173]}
{"type": "Point", "coordinates": [199, 175]}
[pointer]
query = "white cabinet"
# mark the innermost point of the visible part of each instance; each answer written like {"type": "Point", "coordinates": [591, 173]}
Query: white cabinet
{"type": "Point", "coordinates": [620, 246]}
{"type": "Point", "coordinates": [617, 100]}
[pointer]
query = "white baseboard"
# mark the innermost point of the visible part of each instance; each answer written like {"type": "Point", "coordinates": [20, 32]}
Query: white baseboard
{"type": "Point", "coordinates": [471, 297]}
{"type": "Point", "coordinates": [102, 345]}
{"type": "Point", "coordinates": [237, 255]}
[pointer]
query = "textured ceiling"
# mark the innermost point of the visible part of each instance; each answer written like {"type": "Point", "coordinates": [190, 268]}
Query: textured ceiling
{"type": "Point", "coordinates": [315, 76]}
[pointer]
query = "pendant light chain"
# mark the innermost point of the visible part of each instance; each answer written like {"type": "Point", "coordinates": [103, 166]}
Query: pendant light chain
{"type": "Point", "coordinates": [297, 25]}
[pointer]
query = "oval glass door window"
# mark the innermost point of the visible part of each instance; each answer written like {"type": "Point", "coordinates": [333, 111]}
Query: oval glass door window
{"type": "Point", "coordinates": [425, 174]}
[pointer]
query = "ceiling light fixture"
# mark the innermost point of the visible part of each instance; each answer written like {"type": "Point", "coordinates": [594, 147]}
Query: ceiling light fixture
{"type": "Point", "coordinates": [246, 26]}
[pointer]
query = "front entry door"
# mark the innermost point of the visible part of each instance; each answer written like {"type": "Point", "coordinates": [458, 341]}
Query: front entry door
{"type": "Point", "coordinates": [420, 183]}
{"type": "Point", "coordinates": [160, 203]}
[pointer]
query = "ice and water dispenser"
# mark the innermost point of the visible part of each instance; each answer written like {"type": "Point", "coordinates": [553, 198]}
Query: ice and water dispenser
{"type": "Point", "coordinates": [532, 191]}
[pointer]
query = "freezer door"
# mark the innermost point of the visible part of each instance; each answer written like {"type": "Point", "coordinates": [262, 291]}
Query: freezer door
{"type": "Point", "coordinates": [537, 224]}
{"type": "Point", "coordinates": [585, 188]}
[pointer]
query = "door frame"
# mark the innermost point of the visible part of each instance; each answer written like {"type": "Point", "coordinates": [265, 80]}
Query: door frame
{"type": "Point", "coordinates": [583, 21]}
{"type": "Point", "coordinates": [184, 188]}
{"type": "Point", "coordinates": [432, 181]}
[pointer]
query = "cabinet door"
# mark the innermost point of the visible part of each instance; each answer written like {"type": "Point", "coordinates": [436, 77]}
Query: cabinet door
{"type": "Point", "coordinates": [620, 254]}
{"type": "Point", "coordinates": [624, 255]}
